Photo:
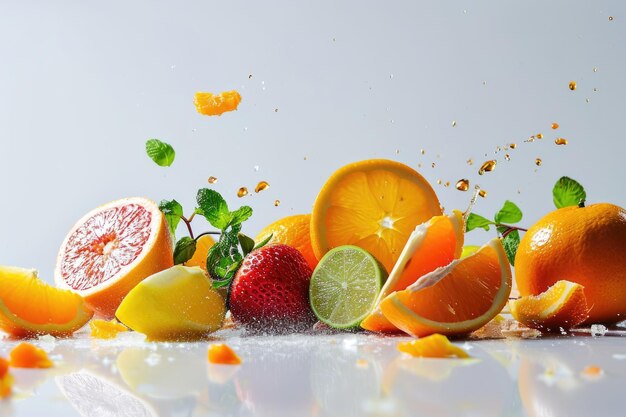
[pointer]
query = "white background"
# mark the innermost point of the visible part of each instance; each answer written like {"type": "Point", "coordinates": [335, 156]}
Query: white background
{"type": "Point", "coordinates": [83, 84]}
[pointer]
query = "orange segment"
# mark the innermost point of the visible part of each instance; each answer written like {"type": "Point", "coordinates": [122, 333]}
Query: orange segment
{"type": "Point", "coordinates": [103, 329]}
{"type": "Point", "coordinates": [433, 346]}
{"type": "Point", "coordinates": [563, 305]}
{"type": "Point", "coordinates": [455, 299]}
{"type": "Point", "coordinates": [292, 231]}
{"type": "Point", "coordinates": [203, 244]}
{"type": "Point", "coordinates": [432, 244]}
{"type": "Point", "coordinates": [29, 306]}
{"type": "Point", "coordinates": [111, 249]}
{"type": "Point", "coordinates": [26, 355]}
{"type": "Point", "coordinates": [222, 354]}
{"type": "Point", "coordinates": [374, 204]}
{"type": "Point", "coordinates": [210, 104]}
{"type": "Point", "coordinates": [6, 379]}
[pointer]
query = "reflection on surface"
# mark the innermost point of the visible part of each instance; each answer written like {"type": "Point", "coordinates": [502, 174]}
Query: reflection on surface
{"type": "Point", "coordinates": [344, 375]}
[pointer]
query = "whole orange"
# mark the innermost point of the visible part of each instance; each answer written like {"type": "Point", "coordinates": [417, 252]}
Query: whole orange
{"type": "Point", "coordinates": [586, 245]}
{"type": "Point", "coordinates": [292, 231]}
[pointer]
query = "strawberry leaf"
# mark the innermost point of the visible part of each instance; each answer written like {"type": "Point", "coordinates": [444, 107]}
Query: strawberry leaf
{"type": "Point", "coordinates": [246, 243]}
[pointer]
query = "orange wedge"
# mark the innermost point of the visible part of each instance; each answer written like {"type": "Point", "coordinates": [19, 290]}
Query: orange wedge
{"type": "Point", "coordinates": [456, 299]}
{"type": "Point", "coordinates": [374, 204]}
{"type": "Point", "coordinates": [433, 346]}
{"type": "Point", "coordinates": [29, 306]}
{"type": "Point", "coordinates": [432, 245]}
{"type": "Point", "coordinates": [220, 353]}
{"type": "Point", "coordinates": [563, 305]}
{"type": "Point", "coordinates": [209, 104]}
{"type": "Point", "coordinates": [203, 244]}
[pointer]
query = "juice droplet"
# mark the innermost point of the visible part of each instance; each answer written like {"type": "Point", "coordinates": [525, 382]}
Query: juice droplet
{"type": "Point", "coordinates": [242, 192]}
{"type": "Point", "coordinates": [487, 166]}
{"type": "Point", "coordinates": [249, 76]}
{"type": "Point", "coordinates": [454, 123]}
{"type": "Point", "coordinates": [422, 151]}
{"type": "Point", "coordinates": [463, 184]}
{"type": "Point", "coordinates": [595, 69]}
{"type": "Point", "coordinates": [538, 161]}
{"type": "Point", "coordinates": [212, 179]}
{"type": "Point", "coordinates": [539, 135]}
{"type": "Point", "coordinates": [470, 161]}
{"type": "Point", "coordinates": [555, 125]}
{"type": "Point", "coordinates": [560, 141]}
{"type": "Point", "coordinates": [513, 146]}
{"type": "Point", "coordinates": [397, 151]}
{"type": "Point", "coordinates": [276, 203]}
{"type": "Point", "coordinates": [262, 185]}
{"type": "Point", "coordinates": [447, 184]}
{"type": "Point", "coordinates": [610, 18]}
{"type": "Point", "coordinates": [507, 157]}
{"type": "Point", "coordinates": [432, 165]}
{"type": "Point", "coordinates": [439, 181]}
{"type": "Point", "coordinates": [419, 165]}
{"type": "Point", "coordinates": [482, 193]}
{"type": "Point", "coordinates": [276, 110]}
{"type": "Point", "coordinates": [572, 85]}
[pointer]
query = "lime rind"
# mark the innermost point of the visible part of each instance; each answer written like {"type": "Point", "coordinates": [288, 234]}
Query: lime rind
{"type": "Point", "coordinates": [345, 285]}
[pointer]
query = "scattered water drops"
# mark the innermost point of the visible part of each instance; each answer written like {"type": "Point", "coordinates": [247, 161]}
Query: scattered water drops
{"type": "Point", "coordinates": [555, 125]}
{"type": "Point", "coordinates": [507, 157]}
{"type": "Point", "coordinates": [212, 179]}
{"type": "Point", "coordinates": [397, 151]}
{"type": "Point", "coordinates": [572, 85]}
{"type": "Point", "coordinates": [587, 100]}
{"type": "Point", "coordinates": [470, 161]}
{"type": "Point", "coordinates": [560, 141]}
{"type": "Point", "coordinates": [422, 151]}
{"type": "Point", "coordinates": [276, 203]}
{"type": "Point", "coordinates": [595, 69]}
{"type": "Point", "coordinates": [539, 135]}
{"type": "Point", "coordinates": [262, 185]}
{"type": "Point", "coordinates": [513, 145]}
{"type": "Point", "coordinates": [439, 182]}
{"type": "Point", "coordinates": [433, 165]}
{"type": "Point", "coordinates": [447, 184]}
{"type": "Point", "coordinates": [598, 330]}
{"type": "Point", "coordinates": [454, 123]}
{"type": "Point", "coordinates": [276, 110]}
{"type": "Point", "coordinates": [463, 184]}
{"type": "Point", "coordinates": [256, 168]}
{"type": "Point", "coordinates": [242, 192]}
{"type": "Point", "coordinates": [391, 76]}
{"type": "Point", "coordinates": [487, 166]}
{"type": "Point", "coordinates": [249, 76]}
{"type": "Point", "coordinates": [538, 161]}
{"type": "Point", "coordinates": [610, 18]}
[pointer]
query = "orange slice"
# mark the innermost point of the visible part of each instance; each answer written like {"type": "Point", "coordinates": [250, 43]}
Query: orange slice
{"type": "Point", "coordinates": [112, 249]}
{"type": "Point", "coordinates": [222, 354]}
{"type": "Point", "coordinates": [374, 204]}
{"type": "Point", "coordinates": [26, 355]}
{"type": "Point", "coordinates": [29, 306]}
{"type": "Point", "coordinates": [563, 305]}
{"type": "Point", "coordinates": [203, 244]}
{"type": "Point", "coordinates": [210, 104]}
{"type": "Point", "coordinates": [456, 299]}
{"type": "Point", "coordinates": [432, 244]}
{"type": "Point", "coordinates": [292, 231]}
{"type": "Point", "coordinates": [433, 346]}
{"type": "Point", "coordinates": [106, 329]}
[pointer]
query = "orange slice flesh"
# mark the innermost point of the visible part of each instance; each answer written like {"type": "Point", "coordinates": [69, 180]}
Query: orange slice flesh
{"type": "Point", "coordinates": [210, 104]}
{"type": "Point", "coordinates": [6, 379]}
{"type": "Point", "coordinates": [222, 354]}
{"type": "Point", "coordinates": [456, 299]}
{"type": "Point", "coordinates": [203, 244]}
{"type": "Point", "coordinates": [112, 249]}
{"type": "Point", "coordinates": [29, 306]}
{"type": "Point", "coordinates": [433, 346]}
{"type": "Point", "coordinates": [103, 329]}
{"type": "Point", "coordinates": [432, 244]}
{"type": "Point", "coordinates": [374, 204]}
{"type": "Point", "coordinates": [26, 355]}
{"type": "Point", "coordinates": [563, 305]}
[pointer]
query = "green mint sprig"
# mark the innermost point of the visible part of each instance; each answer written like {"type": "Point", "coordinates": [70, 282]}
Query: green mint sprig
{"type": "Point", "coordinates": [160, 152]}
{"type": "Point", "coordinates": [568, 192]}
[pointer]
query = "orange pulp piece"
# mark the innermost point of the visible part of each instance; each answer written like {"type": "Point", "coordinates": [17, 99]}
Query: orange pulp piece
{"type": "Point", "coordinates": [203, 244]}
{"type": "Point", "coordinates": [563, 305]}
{"type": "Point", "coordinates": [26, 355]}
{"type": "Point", "coordinates": [222, 354]}
{"type": "Point", "coordinates": [210, 104]}
{"type": "Point", "coordinates": [432, 244]}
{"type": "Point", "coordinates": [373, 204]}
{"type": "Point", "coordinates": [292, 231]}
{"type": "Point", "coordinates": [456, 299]}
{"type": "Point", "coordinates": [433, 346]}
{"type": "Point", "coordinates": [103, 329]}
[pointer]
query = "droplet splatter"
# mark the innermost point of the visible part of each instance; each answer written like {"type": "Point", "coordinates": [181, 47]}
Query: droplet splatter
{"type": "Point", "coordinates": [507, 157]}
{"type": "Point", "coordinates": [513, 145]}
{"type": "Point", "coordinates": [276, 203]}
{"type": "Point", "coordinates": [572, 85]}
{"type": "Point", "coordinates": [555, 125]}
{"type": "Point", "coordinates": [454, 123]}
{"type": "Point", "coordinates": [463, 184]}
{"type": "Point", "coordinates": [539, 135]}
{"type": "Point", "coordinates": [242, 192]}
{"type": "Point", "coordinates": [262, 185]}
{"type": "Point", "coordinates": [560, 141]}
{"type": "Point", "coordinates": [212, 179]}
{"type": "Point", "coordinates": [470, 161]}
{"type": "Point", "coordinates": [538, 161]}
{"type": "Point", "coordinates": [487, 166]}
{"type": "Point", "coordinates": [482, 193]}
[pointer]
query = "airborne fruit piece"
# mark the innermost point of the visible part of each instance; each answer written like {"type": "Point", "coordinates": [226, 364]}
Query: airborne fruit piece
{"type": "Point", "coordinates": [210, 104]}
{"type": "Point", "coordinates": [112, 249]}
{"type": "Point", "coordinates": [563, 305]}
{"type": "Point", "coordinates": [271, 290]}
{"type": "Point", "coordinates": [222, 354]}
{"type": "Point", "coordinates": [29, 306]}
{"type": "Point", "coordinates": [585, 245]}
{"type": "Point", "coordinates": [294, 231]}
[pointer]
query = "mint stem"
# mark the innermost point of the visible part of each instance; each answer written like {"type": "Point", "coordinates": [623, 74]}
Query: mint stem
{"type": "Point", "coordinates": [188, 224]}
{"type": "Point", "coordinates": [510, 229]}
{"type": "Point", "coordinates": [207, 233]}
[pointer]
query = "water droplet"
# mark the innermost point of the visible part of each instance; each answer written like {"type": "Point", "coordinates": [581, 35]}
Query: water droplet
{"type": "Point", "coordinates": [432, 165]}
{"type": "Point", "coordinates": [598, 330]}
{"type": "Point", "coordinates": [262, 185]}
{"type": "Point", "coordinates": [572, 85]}
{"type": "Point", "coordinates": [463, 184]}
{"type": "Point", "coordinates": [538, 161]}
{"type": "Point", "coordinates": [587, 100]}
{"type": "Point", "coordinates": [447, 184]}
{"type": "Point", "coordinates": [422, 151]}
{"type": "Point", "coordinates": [470, 161]}
{"type": "Point", "coordinates": [560, 141]}
{"type": "Point", "coordinates": [249, 76]}
{"type": "Point", "coordinates": [306, 158]}
{"type": "Point", "coordinates": [391, 76]}
{"type": "Point", "coordinates": [276, 110]}
{"type": "Point", "coordinates": [595, 69]}
{"type": "Point", "coordinates": [439, 181]}
{"type": "Point", "coordinates": [242, 192]}
{"type": "Point", "coordinates": [482, 193]}
{"type": "Point", "coordinates": [507, 157]}
{"type": "Point", "coordinates": [595, 89]}
{"type": "Point", "coordinates": [555, 125]}
{"type": "Point", "coordinates": [610, 18]}
{"type": "Point", "coordinates": [513, 145]}
{"type": "Point", "coordinates": [454, 123]}
{"type": "Point", "coordinates": [487, 166]}
{"type": "Point", "coordinates": [256, 168]}
{"type": "Point", "coordinates": [212, 179]}
{"type": "Point", "coordinates": [539, 135]}
{"type": "Point", "coordinates": [419, 165]}
{"type": "Point", "coordinates": [484, 82]}
{"type": "Point", "coordinates": [276, 203]}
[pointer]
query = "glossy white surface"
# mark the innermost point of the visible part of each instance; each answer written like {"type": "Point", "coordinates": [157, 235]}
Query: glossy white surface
{"type": "Point", "coordinates": [322, 375]}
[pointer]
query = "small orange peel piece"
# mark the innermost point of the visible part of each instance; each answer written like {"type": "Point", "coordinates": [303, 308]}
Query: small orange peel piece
{"type": "Point", "coordinates": [26, 355]}
{"type": "Point", "coordinates": [6, 379]}
{"type": "Point", "coordinates": [222, 354]}
{"type": "Point", "coordinates": [103, 329]}
{"type": "Point", "coordinates": [433, 346]}
{"type": "Point", "coordinates": [563, 305]}
{"type": "Point", "coordinates": [210, 104]}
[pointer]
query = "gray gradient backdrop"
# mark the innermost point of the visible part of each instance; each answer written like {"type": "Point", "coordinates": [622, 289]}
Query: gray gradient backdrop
{"type": "Point", "coordinates": [83, 84]}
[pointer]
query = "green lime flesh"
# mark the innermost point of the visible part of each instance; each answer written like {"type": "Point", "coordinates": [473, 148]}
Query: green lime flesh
{"type": "Point", "coordinates": [345, 285]}
{"type": "Point", "coordinates": [469, 250]}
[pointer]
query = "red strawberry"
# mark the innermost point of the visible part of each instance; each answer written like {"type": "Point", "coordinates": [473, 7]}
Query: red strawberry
{"type": "Point", "coordinates": [271, 290]}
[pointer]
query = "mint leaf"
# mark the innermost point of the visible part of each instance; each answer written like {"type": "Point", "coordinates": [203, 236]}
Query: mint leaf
{"type": "Point", "coordinates": [184, 250]}
{"type": "Point", "coordinates": [511, 243]}
{"type": "Point", "coordinates": [173, 211]}
{"type": "Point", "coordinates": [509, 213]}
{"type": "Point", "coordinates": [264, 241]}
{"type": "Point", "coordinates": [474, 221]}
{"type": "Point", "coordinates": [223, 254]}
{"type": "Point", "coordinates": [246, 243]}
{"type": "Point", "coordinates": [568, 192]}
{"type": "Point", "coordinates": [214, 208]}
{"type": "Point", "coordinates": [241, 214]}
{"type": "Point", "coordinates": [160, 152]}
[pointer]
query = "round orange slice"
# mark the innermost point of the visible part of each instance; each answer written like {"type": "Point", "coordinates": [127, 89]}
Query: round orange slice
{"type": "Point", "coordinates": [29, 306]}
{"type": "Point", "coordinates": [374, 204]}
{"type": "Point", "coordinates": [432, 245]}
{"type": "Point", "coordinates": [292, 231]}
{"type": "Point", "coordinates": [456, 299]}
{"type": "Point", "coordinates": [111, 249]}
{"type": "Point", "coordinates": [563, 305]}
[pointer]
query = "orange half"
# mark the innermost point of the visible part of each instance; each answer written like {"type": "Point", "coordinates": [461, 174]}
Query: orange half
{"type": "Point", "coordinates": [456, 299]}
{"type": "Point", "coordinates": [373, 204]}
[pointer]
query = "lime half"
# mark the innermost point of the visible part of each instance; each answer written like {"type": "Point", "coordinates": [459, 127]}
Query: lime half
{"type": "Point", "coordinates": [345, 285]}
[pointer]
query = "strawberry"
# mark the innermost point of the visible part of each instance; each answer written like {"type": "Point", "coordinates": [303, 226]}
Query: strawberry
{"type": "Point", "coordinates": [271, 290]}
